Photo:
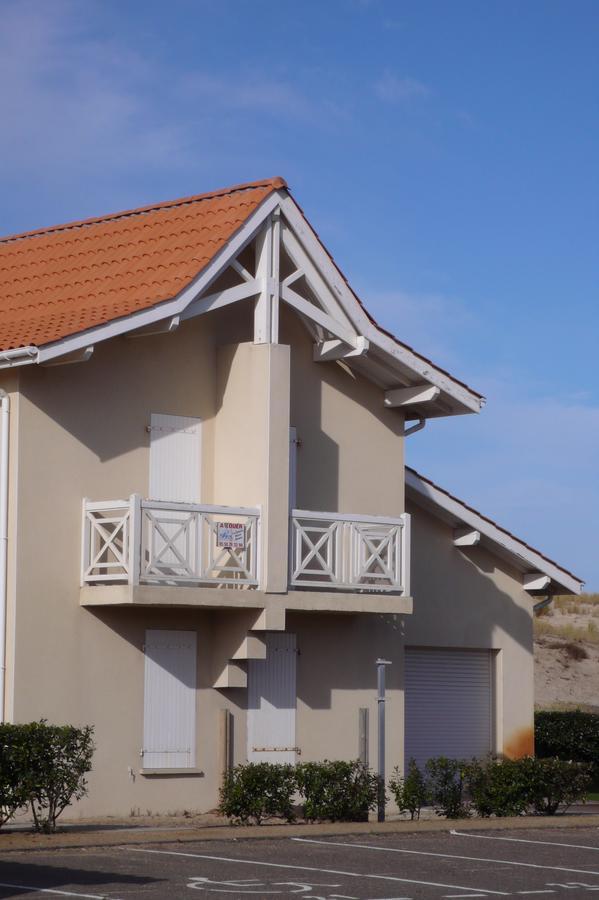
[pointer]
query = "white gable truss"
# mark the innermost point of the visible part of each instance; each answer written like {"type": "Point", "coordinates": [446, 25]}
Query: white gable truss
{"type": "Point", "coordinates": [289, 265]}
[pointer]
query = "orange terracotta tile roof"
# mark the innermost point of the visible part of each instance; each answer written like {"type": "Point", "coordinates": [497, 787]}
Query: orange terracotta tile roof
{"type": "Point", "coordinates": [59, 281]}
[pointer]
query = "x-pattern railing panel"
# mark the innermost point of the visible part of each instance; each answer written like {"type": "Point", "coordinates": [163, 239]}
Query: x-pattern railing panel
{"type": "Point", "coordinates": [315, 546]}
{"type": "Point", "coordinates": [376, 554]}
{"type": "Point", "coordinates": [106, 542]}
{"type": "Point", "coordinates": [169, 544]}
{"type": "Point", "coordinates": [348, 552]}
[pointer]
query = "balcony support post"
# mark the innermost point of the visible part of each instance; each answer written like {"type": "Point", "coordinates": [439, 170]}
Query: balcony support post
{"type": "Point", "coordinates": [134, 538]}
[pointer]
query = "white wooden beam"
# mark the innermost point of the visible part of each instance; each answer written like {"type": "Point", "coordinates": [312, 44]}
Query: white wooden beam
{"type": "Point", "coordinates": [221, 298]}
{"type": "Point", "coordinates": [317, 315]}
{"type": "Point", "coordinates": [535, 581]}
{"type": "Point", "coordinates": [262, 309]}
{"type": "Point", "coordinates": [316, 282]}
{"type": "Point", "coordinates": [410, 396]}
{"type": "Point", "coordinates": [76, 356]}
{"type": "Point", "coordinates": [165, 326]}
{"type": "Point", "coordinates": [275, 276]}
{"type": "Point", "coordinates": [327, 351]}
{"type": "Point", "coordinates": [241, 270]}
{"type": "Point", "coordinates": [466, 537]}
{"type": "Point", "coordinates": [403, 354]}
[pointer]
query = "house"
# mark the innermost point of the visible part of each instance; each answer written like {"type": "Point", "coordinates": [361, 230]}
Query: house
{"type": "Point", "coordinates": [210, 531]}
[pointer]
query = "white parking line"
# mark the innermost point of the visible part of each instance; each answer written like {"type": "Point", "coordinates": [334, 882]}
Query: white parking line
{"type": "Point", "coordinates": [505, 862]}
{"type": "Point", "coordinates": [28, 887]}
{"type": "Point", "coordinates": [254, 862]}
{"type": "Point", "coordinates": [490, 837]}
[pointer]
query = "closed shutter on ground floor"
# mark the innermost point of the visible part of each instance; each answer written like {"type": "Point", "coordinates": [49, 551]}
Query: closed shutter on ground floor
{"type": "Point", "coordinates": [169, 699]}
{"type": "Point", "coordinates": [448, 703]}
{"type": "Point", "coordinates": [272, 701]}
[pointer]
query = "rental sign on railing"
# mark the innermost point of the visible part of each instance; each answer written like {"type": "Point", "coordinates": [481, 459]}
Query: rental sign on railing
{"type": "Point", "coordinates": [230, 535]}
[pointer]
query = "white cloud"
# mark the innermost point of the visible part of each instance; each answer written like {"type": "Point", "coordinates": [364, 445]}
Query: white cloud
{"type": "Point", "coordinates": [254, 92]}
{"type": "Point", "coordinates": [393, 89]}
{"type": "Point", "coordinates": [69, 101]}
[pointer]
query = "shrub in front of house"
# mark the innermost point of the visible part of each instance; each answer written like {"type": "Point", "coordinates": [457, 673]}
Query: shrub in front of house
{"type": "Point", "coordinates": [57, 760]}
{"type": "Point", "coordinates": [258, 791]}
{"type": "Point", "coordinates": [410, 792]}
{"type": "Point", "coordinates": [553, 785]}
{"type": "Point", "coordinates": [43, 767]}
{"type": "Point", "coordinates": [13, 794]}
{"type": "Point", "coordinates": [339, 791]}
{"type": "Point", "coordinates": [500, 787]}
{"type": "Point", "coordinates": [445, 780]}
{"type": "Point", "coordinates": [497, 787]}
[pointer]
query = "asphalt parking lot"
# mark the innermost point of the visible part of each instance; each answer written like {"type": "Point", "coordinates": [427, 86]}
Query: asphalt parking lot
{"type": "Point", "coordinates": [458, 864]}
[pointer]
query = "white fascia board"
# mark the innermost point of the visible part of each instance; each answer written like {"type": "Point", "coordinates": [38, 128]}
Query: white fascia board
{"type": "Point", "coordinates": [523, 556]}
{"type": "Point", "coordinates": [179, 303]}
{"type": "Point", "coordinates": [406, 357]}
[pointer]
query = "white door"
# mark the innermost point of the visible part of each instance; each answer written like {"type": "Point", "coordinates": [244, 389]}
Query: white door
{"type": "Point", "coordinates": [170, 700]}
{"type": "Point", "coordinates": [272, 701]}
{"type": "Point", "coordinates": [448, 703]}
{"type": "Point", "coordinates": [175, 458]}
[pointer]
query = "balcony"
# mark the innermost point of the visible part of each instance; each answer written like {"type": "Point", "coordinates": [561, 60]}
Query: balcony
{"type": "Point", "coordinates": [350, 553]}
{"type": "Point", "coordinates": [149, 552]}
{"type": "Point", "coordinates": [139, 541]}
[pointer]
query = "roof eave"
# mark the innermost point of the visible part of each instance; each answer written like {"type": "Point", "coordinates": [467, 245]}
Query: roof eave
{"type": "Point", "coordinates": [503, 544]}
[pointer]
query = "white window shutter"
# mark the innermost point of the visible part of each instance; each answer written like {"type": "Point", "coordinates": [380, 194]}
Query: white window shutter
{"type": "Point", "coordinates": [175, 458]}
{"type": "Point", "coordinates": [170, 700]}
{"type": "Point", "coordinates": [272, 701]}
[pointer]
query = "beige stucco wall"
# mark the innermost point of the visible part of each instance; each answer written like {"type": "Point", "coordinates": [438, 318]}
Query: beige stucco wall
{"type": "Point", "coordinates": [336, 676]}
{"type": "Point", "coordinates": [80, 431]}
{"type": "Point", "coordinates": [351, 454]}
{"type": "Point", "coordinates": [472, 599]}
{"type": "Point", "coordinates": [251, 444]}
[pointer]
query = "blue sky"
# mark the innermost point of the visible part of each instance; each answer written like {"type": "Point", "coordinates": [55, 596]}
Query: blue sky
{"type": "Point", "coordinates": [447, 153]}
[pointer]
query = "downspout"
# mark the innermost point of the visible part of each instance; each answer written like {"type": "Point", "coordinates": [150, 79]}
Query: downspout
{"type": "Point", "coordinates": [418, 426]}
{"type": "Point", "coordinates": [542, 603]}
{"type": "Point", "coordinates": [4, 425]}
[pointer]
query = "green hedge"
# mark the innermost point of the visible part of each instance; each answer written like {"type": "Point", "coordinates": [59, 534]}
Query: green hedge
{"type": "Point", "coordinates": [492, 787]}
{"type": "Point", "coordinates": [341, 791]}
{"type": "Point", "coordinates": [43, 767]}
{"type": "Point", "coordinates": [568, 735]}
{"type": "Point", "coordinates": [258, 791]}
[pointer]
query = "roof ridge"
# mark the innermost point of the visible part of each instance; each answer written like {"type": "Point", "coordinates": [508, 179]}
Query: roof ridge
{"type": "Point", "coordinates": [274, 183]}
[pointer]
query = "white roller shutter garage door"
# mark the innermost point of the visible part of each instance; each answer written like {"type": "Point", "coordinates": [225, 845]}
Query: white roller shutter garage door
{"type": "Point", "coordinates": [448, 703]}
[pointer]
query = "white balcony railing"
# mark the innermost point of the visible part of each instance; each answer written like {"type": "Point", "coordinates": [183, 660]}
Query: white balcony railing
{"type": "Point", "coordinates": [334, 550]}
{"type": "Point", "coordinates": [150, 541]}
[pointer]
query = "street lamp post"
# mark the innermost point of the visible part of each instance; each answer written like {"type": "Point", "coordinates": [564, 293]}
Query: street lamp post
{"type": "Point", "coordinates": [381, 665]}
